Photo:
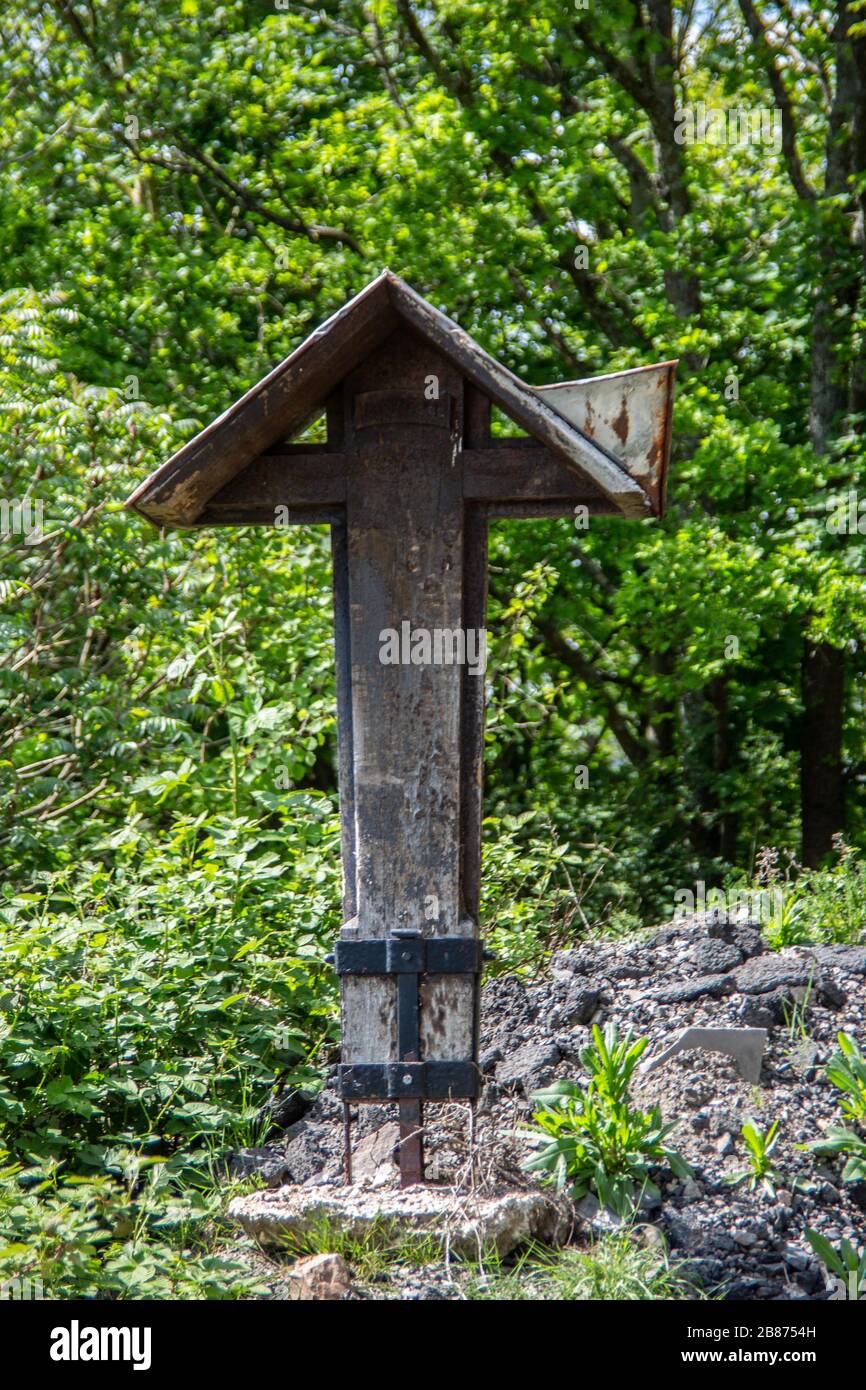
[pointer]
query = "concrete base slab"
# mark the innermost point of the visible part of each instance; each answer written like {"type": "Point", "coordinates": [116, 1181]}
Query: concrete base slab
{"type": "Point", "coordinates": [466, 1224]}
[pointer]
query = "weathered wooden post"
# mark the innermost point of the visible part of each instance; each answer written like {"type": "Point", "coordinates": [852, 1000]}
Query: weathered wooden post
{"type": "Point", "coordinates": [408, 480]}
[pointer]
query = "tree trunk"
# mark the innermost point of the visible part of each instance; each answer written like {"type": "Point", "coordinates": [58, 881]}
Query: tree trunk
{"type": "Point", "coordinates": [822, 791]}
{"type": "Point", "coordinates": [822, 785]}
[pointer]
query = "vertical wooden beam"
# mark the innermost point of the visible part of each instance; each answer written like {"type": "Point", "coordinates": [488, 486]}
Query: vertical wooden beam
{"type": "Point", "coordinates": [472, 722]}
{"type": "Point", "coordinates": [476, 417]}
{"type": "Point", "coordinates": [404, 558]}
{"type": "Point", "coordinates": [343, 661]}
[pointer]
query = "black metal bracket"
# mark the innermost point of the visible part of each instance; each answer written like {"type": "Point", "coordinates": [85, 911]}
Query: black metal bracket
{"type": "Point", "coordinates": [407, 955]}
{"type": "Point", "coordinates": [409, 1081]}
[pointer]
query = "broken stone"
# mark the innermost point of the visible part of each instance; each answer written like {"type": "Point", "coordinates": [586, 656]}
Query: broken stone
{"type": "Point", "coordinates": [763, 1010]}
{"type": "Point", "coordinates": [629, 971]}
{"type": "Point", "coordinates": [464, 1223]}
{"type": "Point", "coordinates": [683, 1233]}
{"type": "Point", "coordinates": [707, 985]}
{"type": "Point", "coordinates": [599, 1220]}
{"type": "Point", "coordinates": [260, 1163]}
{"type": "Point", "coordinates": [715, 957]}
{"type": "Point", "coordinates": [579, 1005]}
{"type": "Point", "coordinates": [850, 958]}
{"type": "Point", "coordinates": [530, 1066]}
{"type": "Point", "coordinates": [764, 973]}
{"type": "Point", "coordinates": [749, 940]}
{"type": "Point", "coordinates": [796, 1258]}
{"type": "Point", "coordinates": [831, 995]}
{"type": "Point", "coordinates": [319, 1279]}
{"type": "Point", "coordinates": [746, 1238]}
{"type": "Point", "coordinates": [806, 1055]}
{"type": "Point", "coordinates": [373, 1158]}
{"type": "Point", "coordinates": [574, 962]}
{"type": "Point", "coordinates": [745, 1045]}
{"type": "Point", "coordinates": [303, 1154]}
{"type": "Point", "coordinates": [665, 935]}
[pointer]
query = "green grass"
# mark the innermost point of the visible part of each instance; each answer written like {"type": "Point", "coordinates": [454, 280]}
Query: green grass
{"type": "Point", "coordinates": [146, 1013]}
{"type": "Point", "coordinates": [370, 1255]}
{"type": "Point", "coordinates": [615, 1268]}
{"type": "Point", "coordinates": [822, 906]}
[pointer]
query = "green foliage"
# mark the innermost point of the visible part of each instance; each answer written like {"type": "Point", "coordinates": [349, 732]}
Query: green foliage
{"type": "Point", "coordinates": [842, 1260]}
{"type": "Point", "coordinates": [188, 191]}
{"type": "Point", "coordinates": [139, 1237]}
{"type": "Point", "coordinates": [762, 1170]}
{"type": "Point", "coordinates": [846, 1069]}
{"type": "Point", "coordinates": [822, 905]}
{"type": "Point", "coordinates": [617, 1267]}
{"type": "Point", "coordinates": [840, 1142]}
{"type": "Point", "coordinates": [598, 1142]}
{"type": "Point", "coordinates": [539, 892]}
{"type": "Point", "coordinates": [173, 991]}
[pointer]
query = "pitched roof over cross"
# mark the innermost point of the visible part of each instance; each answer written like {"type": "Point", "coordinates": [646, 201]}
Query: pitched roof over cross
{"type": "Point", "coordinates": [612, 432]}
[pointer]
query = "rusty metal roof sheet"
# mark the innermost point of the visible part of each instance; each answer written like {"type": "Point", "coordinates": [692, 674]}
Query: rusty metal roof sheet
{"type": "Point", "coordinates": [629, 415]}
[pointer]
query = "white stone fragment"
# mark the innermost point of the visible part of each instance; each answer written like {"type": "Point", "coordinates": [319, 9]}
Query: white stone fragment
{"type": "Point", "coordinates": [745, 1045]}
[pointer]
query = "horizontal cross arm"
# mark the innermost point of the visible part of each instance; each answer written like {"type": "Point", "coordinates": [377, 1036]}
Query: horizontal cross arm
{"type": "Point", "coordinates": [523, 471]}
{"type": "Point", "coordinates": [303, 485]}
{"type": "Point", "coordinates": [275, 483]}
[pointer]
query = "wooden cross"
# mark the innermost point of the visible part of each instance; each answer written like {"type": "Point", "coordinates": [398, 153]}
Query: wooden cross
{"type": "Point", "coordinates": [408, 480]}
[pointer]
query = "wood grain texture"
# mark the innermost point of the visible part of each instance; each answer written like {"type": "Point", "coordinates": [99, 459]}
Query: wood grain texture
{"type": "Point", "coordinates": [405, 557]}
{"type": "Point", "coordinates": [522, 471]}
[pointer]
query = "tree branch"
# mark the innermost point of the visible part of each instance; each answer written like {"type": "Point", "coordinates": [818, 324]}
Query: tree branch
{"type": "Point", "coordinates": [790, 153]}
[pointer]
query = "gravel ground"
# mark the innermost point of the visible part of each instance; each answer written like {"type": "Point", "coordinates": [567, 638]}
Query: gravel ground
{"type": "Point", "coordinates": [736, 1241]}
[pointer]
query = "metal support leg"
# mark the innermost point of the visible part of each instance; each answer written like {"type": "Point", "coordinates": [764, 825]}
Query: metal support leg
{"type": "Point", "coordinates": [347, 1144]}
{"type": "Point", "coordinates": [411, 1143]}
{"type": "Point", "coordinates": [409, 1050]}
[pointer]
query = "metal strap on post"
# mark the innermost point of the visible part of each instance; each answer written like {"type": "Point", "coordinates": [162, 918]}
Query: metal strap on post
{"type": "Point", "coordinates": [407, 955]}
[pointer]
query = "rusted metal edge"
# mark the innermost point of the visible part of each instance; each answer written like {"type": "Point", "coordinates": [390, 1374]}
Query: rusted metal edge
{"type": "Point", "coordinates": [628, 413]}
{"type": "Point", "coordinates": [178, 492]}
